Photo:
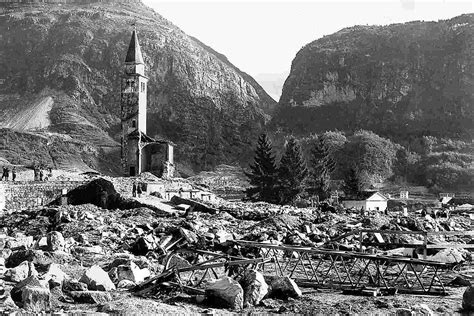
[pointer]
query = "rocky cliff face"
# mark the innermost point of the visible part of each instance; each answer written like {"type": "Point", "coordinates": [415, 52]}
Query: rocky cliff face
{"type": "Point", "coordinates": [401, 80]}
{"type": "Point", "coordinates": [61, 68]}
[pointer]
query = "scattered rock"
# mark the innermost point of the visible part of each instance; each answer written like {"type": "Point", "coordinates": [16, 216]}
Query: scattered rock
{"type": "Point", "coordinates": [126, 284]}
{"type": "Point", "coordinates": [226, 291]}
{"type": "Point", "coordinates": [255, 287]}
{"type": "Point", "coordinates": [97, 279]}
{"type": "Point", "coordinates": [284, 287]}
{"type": "Point", "coordinates": [55, 241]}
{"type": "Point", "coordinates": [200, 299]}
{"type": "Point", "coordinates": [41, 259]}
{"type": "Point", "coordinates": [21, 272]}
{"type": "Point", "coordinates": [403, 312]}
{"type": "Point", "coordinates": [91, 297]}
{"type": "Point", "coordinates": [19, 242]}
{"type": "Point", "coordinates": [468, 299]}
{"type": "Point", "coordinates": [145, 244]}
{"type": "Point", "coordinates": [88, 250]}
{"type": "Point", "coordinates": [422, 309]}
{"type": "Point", "coordinates": [460, 281]}
{"type": "Point", "coordinates": [8, 304]}
{"type": "Point", "coordinates": [74, 285]}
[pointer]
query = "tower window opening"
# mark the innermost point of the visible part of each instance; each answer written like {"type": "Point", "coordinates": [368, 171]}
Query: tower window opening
{"type": "Point", "coordinates": [142, 87]}
{"type": "Point", "coordinates": [134, 123]}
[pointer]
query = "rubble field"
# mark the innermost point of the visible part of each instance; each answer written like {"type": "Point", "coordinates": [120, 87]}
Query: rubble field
{"type": "Point", "coordinates": [128, 258]}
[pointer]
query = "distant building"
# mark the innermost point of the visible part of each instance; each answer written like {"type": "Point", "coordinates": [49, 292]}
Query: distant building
{"type": "Point", "coordinates": [369, 201]}
{"type": "Point", "coordinates": [447, 195]}
{"type": "Point", "coordinates": [403, 195]}
{"type": "Point", "coordinates": [445, 200]}
{"type": "Point", "coordinates": [140, 152]}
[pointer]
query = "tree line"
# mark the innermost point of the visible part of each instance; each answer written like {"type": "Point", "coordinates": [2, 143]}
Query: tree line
{"type": "Point", "coordinates": [359, 161]}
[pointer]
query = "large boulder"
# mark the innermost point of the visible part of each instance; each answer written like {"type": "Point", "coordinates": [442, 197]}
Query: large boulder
{"type": "Point", "coordinates": [55, 241]}
{"type": "Point", "coordinates": [99, 192]}
{"type": "Point", "coordinates": [284, 287]}
{"type": "Point", "coordinates": [451, 255]}
{"type": "Point", "coordinates": [226, 292]}
{"type": "Point", "coordinates": [131, 272]}
{"type": "Point", "coordinates": [16, 291]}
{"type": "Point", "coordinates": [468, 299]}
{"type": "Point", "coordinates": [21, 272]}
{"type": "Point", "coordinates": [97, 279]}
{"type": "Point", "coordinates": [36, 299]}
{"type": "Point", "coordinates": [55, 276]}
{"type": "Point", "coordinates": [255, 287]}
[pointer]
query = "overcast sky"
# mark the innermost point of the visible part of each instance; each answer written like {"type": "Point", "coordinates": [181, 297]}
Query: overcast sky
{"type": "Point", "coordinates": [263, 36]}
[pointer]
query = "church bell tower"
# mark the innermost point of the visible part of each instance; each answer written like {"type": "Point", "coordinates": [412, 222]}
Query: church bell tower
{"type": "Point", "coordinates": [133, 107]}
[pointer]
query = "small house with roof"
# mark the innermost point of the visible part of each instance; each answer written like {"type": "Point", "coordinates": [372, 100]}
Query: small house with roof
{"type": "Point", "coordinates": [368, 201]}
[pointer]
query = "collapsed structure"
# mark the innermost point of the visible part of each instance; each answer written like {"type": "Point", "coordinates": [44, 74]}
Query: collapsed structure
{"type": "Point", "coordinates": [139, 151]}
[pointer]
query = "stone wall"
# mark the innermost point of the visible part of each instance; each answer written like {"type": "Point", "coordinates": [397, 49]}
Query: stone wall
{"type": "Point", "coordinates": [15, 196]}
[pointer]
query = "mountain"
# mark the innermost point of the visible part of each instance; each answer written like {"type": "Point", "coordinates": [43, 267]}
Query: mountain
{"type": "Point", "coordinates": [61, 64]}
{"type": "Point", "coordinates": [401, 81]}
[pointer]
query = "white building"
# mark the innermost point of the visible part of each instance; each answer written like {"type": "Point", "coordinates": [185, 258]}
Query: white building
{"type": "Point", "coordinates": [403, 195]}
{"type": "Point", "coordinates": [369, 201]}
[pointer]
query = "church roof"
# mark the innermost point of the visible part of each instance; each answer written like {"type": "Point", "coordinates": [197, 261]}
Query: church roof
{"type": "Point", "coordinates": [366, 195]}
{"type": "Point", "coordinates": [134, 53]}
{"type": "Point", "coordinates": [145, 138]}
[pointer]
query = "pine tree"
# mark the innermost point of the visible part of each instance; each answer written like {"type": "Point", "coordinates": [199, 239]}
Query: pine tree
{"type": "Point", "coordinates": [263, 175]}
{"type": "Point", "coordinates": [351, 183]}
{"type": "Point", "coordinates": [321, 167]}
{"type": "Point", "coordinates": [292, 172]}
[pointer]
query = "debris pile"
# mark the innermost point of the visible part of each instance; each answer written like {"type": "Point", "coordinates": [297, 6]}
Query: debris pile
{"type": "Point", "coordinates": [95, 253]}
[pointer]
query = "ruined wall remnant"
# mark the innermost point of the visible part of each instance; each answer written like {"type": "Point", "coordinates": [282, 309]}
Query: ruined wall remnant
{"type": "Point", "coordinates": [23, 195]}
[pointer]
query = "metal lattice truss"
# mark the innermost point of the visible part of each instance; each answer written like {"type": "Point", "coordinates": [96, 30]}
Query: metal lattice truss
{"type": "Point", "coordinates": [190, 269]}
{"type": "Point", "coordinates": [351, 270]}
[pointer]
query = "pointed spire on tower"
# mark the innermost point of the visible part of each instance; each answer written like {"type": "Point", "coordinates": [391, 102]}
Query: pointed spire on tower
{"type": "Point", "coordinates": [134, 53]}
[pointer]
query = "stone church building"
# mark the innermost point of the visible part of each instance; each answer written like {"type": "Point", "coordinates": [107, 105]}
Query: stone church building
{"type": "Point", "coordinates": [140, 152]}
